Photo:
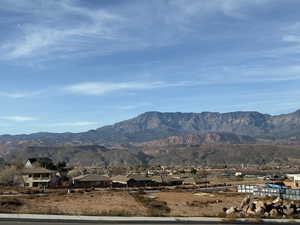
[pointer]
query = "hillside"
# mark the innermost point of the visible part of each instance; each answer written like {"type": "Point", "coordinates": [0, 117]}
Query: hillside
{"type": "Point", "coordinates": [151, 126]}
{"type": "Point", "coordinates": [173, 155]}
{"type": "Point", "coordinates": [225, 155]}
{"type": "Point", "coordinates": [85, 155]}
{"type": "Point", "coordinates": [170, 139]}
{"type": "Point", "coordinates": [211, 138]}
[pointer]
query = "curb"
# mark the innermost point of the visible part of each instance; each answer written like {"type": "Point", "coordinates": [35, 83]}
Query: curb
{"type": "Point", "coordinates": [116, 219]}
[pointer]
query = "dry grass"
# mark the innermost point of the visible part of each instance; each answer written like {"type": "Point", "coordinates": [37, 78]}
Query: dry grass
{"type": "Point", "coordinates": [91, 203]}
{"type": "Point", "coordinates": [189, 204]}
{"type": "Point", "coordinates": [9, 204]}
{"type": "Point", "coordinates": [154, 207]}
{"type": "Point", "coordinates": [121, 203]}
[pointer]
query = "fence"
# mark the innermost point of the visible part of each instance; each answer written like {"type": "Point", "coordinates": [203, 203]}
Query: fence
{"type": "Point", "coordinates": [290, 194]}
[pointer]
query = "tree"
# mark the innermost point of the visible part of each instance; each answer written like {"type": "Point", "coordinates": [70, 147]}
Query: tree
{"type": "Point", "coordinates": [61, 167]}
{"type": "Point", "coordinates": [8, 176]}
{"type": "Point", "coordinates": [76, 172]}
{"type": "Point", "coordinates": [193, 171]}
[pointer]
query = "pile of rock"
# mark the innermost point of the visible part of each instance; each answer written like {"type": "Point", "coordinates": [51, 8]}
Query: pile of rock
{"type": "Point", "coordinates": [277, 208]}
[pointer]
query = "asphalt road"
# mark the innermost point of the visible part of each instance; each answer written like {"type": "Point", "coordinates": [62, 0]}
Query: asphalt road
{"type": "Point", "coordinates": [18, 222]}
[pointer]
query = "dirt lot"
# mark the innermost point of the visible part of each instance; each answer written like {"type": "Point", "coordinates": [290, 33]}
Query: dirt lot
{"type": "Point", "coordinates": [198, 204]}
{"type": "Point", "coordinates": [122, 203]}
{"type": "Point", "coordinates": [90, 203]}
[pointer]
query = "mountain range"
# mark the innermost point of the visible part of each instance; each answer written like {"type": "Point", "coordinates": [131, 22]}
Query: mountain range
{"type": "Point", "coordinates": [157, 125]}
{"type": "Point", "coordinates": [165, 131]}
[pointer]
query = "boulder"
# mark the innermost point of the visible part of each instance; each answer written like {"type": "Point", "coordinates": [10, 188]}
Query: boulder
{"type": "Point", "coordinates": [290, 205]}
{"type": "Point", "coordinates": [260, 204]}
{"type": "Point", "coordinates": [260, 208]}
{"type": "Point", "coordinates": [274, 213]}
{"type": "Point", "coordinates": [297, 205]}
{"type": "Point", "coordinates": [252, 206]}
{"type": "Point", "coordinates": [245, 208]}
{"type": "Point", "coordinates": [230, 211]}
{"type": "Point", "coordinates": [260, 211]}
{"type": "Point", "coordinates": [278, 200]}
{"type": "Point", "coordinates": [289, 211]}
{"type": "Point", "coordinates": [245, 202]}
{"type": "Point", "coordinates": [251, 209]}
{"type": "Point", "coordinates": [277, 205]}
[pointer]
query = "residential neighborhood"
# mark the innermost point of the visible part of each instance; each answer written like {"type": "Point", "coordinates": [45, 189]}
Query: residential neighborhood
{"type": "Point", "coordinates": [36, 173]}
{"type": "Point", "coordinates": [44, 173]}
{"type": "Point", "coordinates": [162, 190]}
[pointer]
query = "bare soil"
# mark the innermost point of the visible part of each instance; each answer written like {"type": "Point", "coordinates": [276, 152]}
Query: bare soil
{"type": "Point", "coordinates": [198, 204]}
{"type": "Point", "coordinates": [122, 203]}
{"type": "Point", "coordinates": [90, 203]}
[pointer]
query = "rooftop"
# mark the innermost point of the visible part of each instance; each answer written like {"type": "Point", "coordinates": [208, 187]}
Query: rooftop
{"type": "Point", "coordinates": [91, 177]}
{"type": "Point", "coordinates": [36, 170]}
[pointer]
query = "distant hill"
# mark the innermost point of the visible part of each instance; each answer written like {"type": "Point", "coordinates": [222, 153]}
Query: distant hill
{"type": "Point", "coordinates": [151, 126]}
{"type": "Point", "coordinates": [170, 139]}
{"type": "Point", "coordinates": [173, 155]}
{"type": "Point", "coordinates": [84, 155]}
{"type": "Point", "coordinates": [225, 155]}
{"type": "Point", "coordinates": [211, 138]}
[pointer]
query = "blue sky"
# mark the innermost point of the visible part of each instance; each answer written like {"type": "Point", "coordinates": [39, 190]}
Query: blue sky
{"type": "Point", "coordinates": [75, 65]}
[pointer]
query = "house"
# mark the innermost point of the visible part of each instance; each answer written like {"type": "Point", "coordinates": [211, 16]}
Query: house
{"type": "Point", "coordinates": [171, 181]}
{"type": "Point", "coordinates": [192, 180]}
{"type": "Point", "coordinates": [38, 162]}
{"type": "Point", "coordinates": [37, 177]}
{"type": "Point", "coordinates": [91, 180]}
{"type": "Point", "coordinates": [157, 179]}
{"type": "Point", "coordinates": [166, 180]}
{"type": "Point", "coordinates": [140, 181]}
{"type": "Point", "coordinates": [119, 181]}
{"type": "Point", "coordinates": [295, 178]}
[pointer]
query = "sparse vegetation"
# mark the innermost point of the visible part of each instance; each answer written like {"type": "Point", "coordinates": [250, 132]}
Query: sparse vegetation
{"type": "Point", "coordinates": [7, 205]}
{"type": "Point", "coordinates": [9, 175]}
{"type": "Point", "coordinates": [155, 207]}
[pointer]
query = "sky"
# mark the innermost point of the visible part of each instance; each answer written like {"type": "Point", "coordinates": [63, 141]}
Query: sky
{"type": "Point", "coordinates": [76, 65]}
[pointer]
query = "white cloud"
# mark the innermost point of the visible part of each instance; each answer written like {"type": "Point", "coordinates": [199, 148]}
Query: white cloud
{"type": "Point", "coordinates": [101, 88]}
{"type": "Point", "coordinates": [291, 38]}
{"type": "Point", "coordinates": [47, 35]}
{"type": "Point", "coordinates": [76, 124]}
{"type": "Point", "coordinates": [18, 118]}
{"type": "Point", "coordinates": [17, 95]}
{"type": "Point", "coordinates": [61, 29]}
{"type": "Point", "coordinates": [230, 8]}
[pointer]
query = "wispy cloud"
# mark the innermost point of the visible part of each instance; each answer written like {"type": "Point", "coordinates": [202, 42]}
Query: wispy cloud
{"type": "Point", "coordinates": [75, 124]}
{"type": "Point", "coordinates": [291, 38]}
{"type": "Point", "coordinates": [17, 95]}
{"type": "Point", "coordinates": [18, 118]}
{"type": "Point", "coordinates": [101, 88]}
{"type": "Point", "coordinates": [61, 29]}
{"type": "Point", "coordinates": [231, 8]}
{"type": "Point", "coordinates": [46, 37]}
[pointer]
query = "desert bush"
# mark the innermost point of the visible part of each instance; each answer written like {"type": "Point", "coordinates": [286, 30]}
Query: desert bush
{"type": "Point", "coordinates": [10, 202]}
{"type": "Point", "coordinates": [159, 208]}
{"type": "Point", "coordinates": [8, 205]}
{"type": "Point", "coordinates": [9, 175]}
{"type": "Point", "coordinates": [155, 207]}
{"type": "Point", "coordinates": [202, 204]}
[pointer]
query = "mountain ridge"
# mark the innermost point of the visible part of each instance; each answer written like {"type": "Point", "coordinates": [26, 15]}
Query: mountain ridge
{"type": "Point", "coordinates": [156, 125]}
{"type": "Point", "coordinates": [157, 138]}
